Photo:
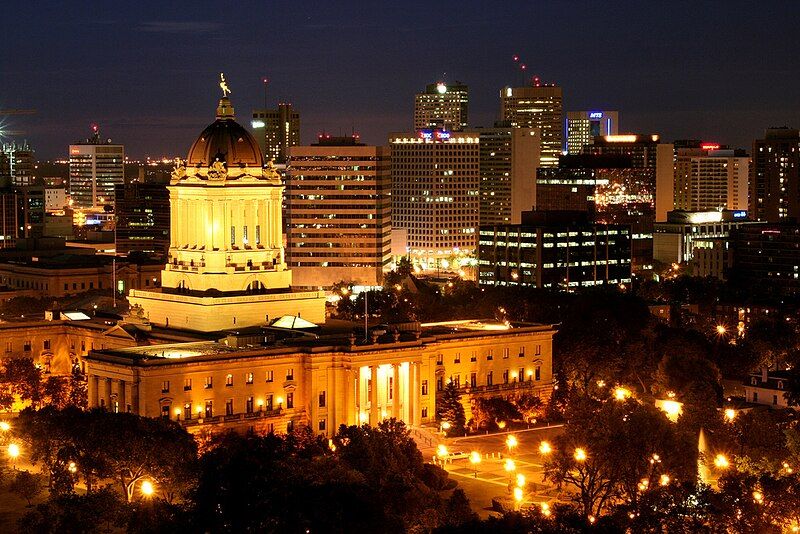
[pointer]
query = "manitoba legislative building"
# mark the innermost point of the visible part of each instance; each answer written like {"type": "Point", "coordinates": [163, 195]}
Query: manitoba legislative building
{"type": "Point", "coordinates": [225, 342]}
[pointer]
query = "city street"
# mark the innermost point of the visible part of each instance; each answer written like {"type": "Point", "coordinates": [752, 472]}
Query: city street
{"type": "Point", "coordinates": [492, 478]}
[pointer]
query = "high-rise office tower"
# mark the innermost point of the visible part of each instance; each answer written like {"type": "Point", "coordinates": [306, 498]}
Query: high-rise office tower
{"type": "Point", "coordinates": [143, 218]}
{"type": "Point", "coordinates": [536, 106]}
{"type": "Point", "coordinates": [276, 130]}
{"type": "Point", "coordinates": [96, 167]}
{"type": "Point", "coordinates": [442, 106]}
{"type": "Point", "coordinates": [435, 192]}
{"type": "Point", "coordinates": [775, 176]}
{"type": "Point", "coordinates": [16, 164]}
{"type": "Point", "coordinates": [508, 162]}
{"type": "Point", "coordinates": [338, 212]}
{"type": "Point", "coordinates": [611, 190]}
{"type": "Point", "coordinates": [708, 177]}
{"type": "Point", "coordinates": [583, 126]}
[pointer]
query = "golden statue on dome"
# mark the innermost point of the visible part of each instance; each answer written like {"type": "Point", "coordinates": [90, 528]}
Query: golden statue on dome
{"type": "Point", "coordinates": [224, 85]}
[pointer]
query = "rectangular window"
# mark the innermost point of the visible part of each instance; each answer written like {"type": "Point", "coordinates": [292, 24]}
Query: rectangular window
{"type": "Point", "coordinates": [457, 358]}
{"type": "Point", "coordinates": [537, 373]}
{"type": "Point", "coordinates": [258, 235]}
{"type": "Point", "coordinates": [209, 382]}
{"type": "Point", "coordinates": [390, 387]}
{"type": "Point", "coordinates": [26, 346]}
{"type": "Point", "coordinates": [229, 407]}
{"type": "Point", "coordinates": [321, 399]}
{"type": "Point", "coordinates": [521, 374]}
{"type": "Point", "coordinates": [457, 381]}
{"type": "Point", "coordinates": [269, 402]}
{"type": "Point", "coordinates": [505, 376]}
{"type": "Point", "coordinates": [321, 424]}
{"type": "Point", "coordinates": [83, 345]}
{"type": "Point", "coordinates": [165, 411]}
{"type": "Point", "coordinates": [187, 411]}
{"type": "Point", "coordinates": [489, 378]}
{"type": "Point", "coordinates": [249, 405]}
{"type": "Point", "coordinates": [248, 378]}
{"type": "Point", "coordinates": [425, 412]}
{"type": "Point", "coordinates": [440, 359]}
{"type": "Point", "coordinates": [774, 399]}
{"type": "Point", "coordinates": [474, 357]}
{"type": "Point", "coordinates": [473, 380]}
{"type": "Point", "coordinates": [522, 351]}
{"type": "Point", "coordinates": [290, 374]}
{"type": "Point", "coordinates": [9, 346]}
{"type": "Point", "coordinates": [505, 353]}
{"type": "Point", "coordinates": [439, 383]}
{"type": "Point", "coordinates": [165, 386]}
{"type": "Point", "coordinates": [290, 400]}
{"type": "Point", "coordinates": [290, 427]}
{"type": "Point", "coordinates": [209, 408]}
{"type": "Point", "coordinates": [46, 344]}
{"type": "Point", "coordinates": [755, 396]}
{"type": "Point", "coordinates": [244, 234]}
{"type": "Point", "coordinates": [538, 350]}
{"type": "Point", "coordinates": [233, 235]}
{"type": "Point", "coordinates": [424, 387]}
{"type": "Point", "coordinates": [490, 355]}
{"type": "Point", "coordinates": [269, 376]}
{"type": "Point", "coordinates": [187, 384]}
{"type": "Point", "coordinates": [229, 380]}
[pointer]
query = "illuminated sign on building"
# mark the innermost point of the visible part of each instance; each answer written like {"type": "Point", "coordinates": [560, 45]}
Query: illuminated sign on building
{"type": "Point", "coordinates": [739, 214]}
{"type": "Point", "coordinates": [710, 146]}
{"type": "Point", "coordinates": [438, 135]}
{"type": "Point", "coordinates": [595, 114]}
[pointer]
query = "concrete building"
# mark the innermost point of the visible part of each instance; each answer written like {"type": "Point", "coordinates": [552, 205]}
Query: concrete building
{"type": "Point", "coordinates": [16, 164]}
{"type": "Point", "coordinates": [338, 213]}
{"type": "Point", "coordinates": [775, 176]}
{"type": "Point", "coordinates": [768, 387]}
{"type": "Point", "coordinates": [537, 106]}
{"type": "Point", "coordinates": [226, 266]}
{"type": "Point", "coordinates": [143, 220]}
{"type": "Point", "coordinates": [276, 130]}
{"type": "Point", "coordinates": [55, 198]}
{"type": "Point", "coordinates": [677, 240]}
{"type": "Point", "coordinates": [96, 167]}
{"type": "Point", "coordinates": [583, 127]}
{"type": "Point", "coordinates": [436, 191]}
{"type": "Point", "coordinates": [557, 249]}
{"type": "Point", "coordinates": [22, 214]}
{"type": "Point", "coordinates": [610, 190]}
{"type": "Point", "coordinates": [710, 177]}
{"type": "Point", "coordinates": [766, 258]}
{"type": "Point", "coordinates": [508, 160]}
{"type": "Point", "coordinates": [442, 106]}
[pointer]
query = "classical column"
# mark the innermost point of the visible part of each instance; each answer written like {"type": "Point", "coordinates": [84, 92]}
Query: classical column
{"type": "Point", "coordinates": [415, 394]}
{"type": "Point", "coordinates": [121, 398]}
{"type": "Point", "coordinates": [395, 391]}
{"type": "Point", "coordinates": [374, 413]}
{"type": "Point", "coordinates": [357, 395]}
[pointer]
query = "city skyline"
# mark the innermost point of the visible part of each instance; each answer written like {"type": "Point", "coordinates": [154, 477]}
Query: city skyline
{"type": "Point", "coordinates": [141, 73]}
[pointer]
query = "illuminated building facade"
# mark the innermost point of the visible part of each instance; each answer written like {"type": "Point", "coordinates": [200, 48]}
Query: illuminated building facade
{"type": "Point", "coordinates": [226, 266]}
{"type": "Point", "coordinates": [246, 383]}
{"type": "Point", "coordinates": [537, 106]}
{"type": "Point", "coordinates": [16, 164]}
{"type": "Point", "coordinates": [559, 250]}
{"type": "Point", "coordinates": [583, 126]}
{"type": "Point", "coordinates": [508, 160]}
{"type": "Point", "coordinates": [710, 177]}
{"type": "Point", "coordinates": [96, 167]}
{"type": "Point", "coordinates": [775, 176]}
{"type": "Point", "coordinates": [338, 210]}
{"type": "Point", "coordinates": [766, 258]}
{"type": "Point", "coordinates": [277, 130]}
{"type": "Point", "coordinates": [678, 239]}
{"type": "Point", "coordinates": [143, 222]}
{"type": "Point", "coordinates": [442, 106]}
{"type": "Point", "coordinates": [610, 190]}
{"type": "Point", "coordinates": [435, 191]}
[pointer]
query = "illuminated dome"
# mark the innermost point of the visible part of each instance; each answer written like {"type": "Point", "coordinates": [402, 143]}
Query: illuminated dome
{"type": "Point", "coordinates": [227, 141]}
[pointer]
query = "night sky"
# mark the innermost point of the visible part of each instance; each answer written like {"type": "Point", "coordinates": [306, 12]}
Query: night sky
{"type": "Point", "coordinates": [147, 71]}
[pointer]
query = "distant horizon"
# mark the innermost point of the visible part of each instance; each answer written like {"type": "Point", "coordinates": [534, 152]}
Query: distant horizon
{"type": "Point", "coordinates": [147, 74]}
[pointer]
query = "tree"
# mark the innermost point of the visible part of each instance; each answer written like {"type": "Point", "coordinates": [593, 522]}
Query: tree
{"type": "Point", "coordinates": [21, 378]}
{"type": "Point", "coordinates": [487, 412]}
{"type": "Point", "coordinates": [27, 485]}
{"type": "Point", "coordinates": [99, 511]}
{"type": "Point", "coordinates": [450, 410]}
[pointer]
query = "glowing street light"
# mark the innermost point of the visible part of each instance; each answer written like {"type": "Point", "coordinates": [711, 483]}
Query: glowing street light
{"type": "Point", "coordinates": [721, 330]}
{"type": "Point", "coordinates": [545, 448]}
{"type": "Point", "coordinates": [664, 480]}
{"type": "Point", "coordinates": [580, 454]}
{"type": "Point", "coordinates": [441, 451]}
{"type": "Point", "coordinates": [13, 453]}
{"type": "Point", "coordinates": [621, 393]}
{"type": "Point", "coordinates": [730, 414]}
{"type": "Point", "coordinates": [758, 497]}
{"type": "Point", "coordinates": [721, 461]}
{"type": "Point", "coordinates": [518, 495]}
{"type": "Point", "coordinates": [72, 468]}
{"type": "Point", "coordinates": [521, 480]}
{"type": "Point", "coordinates": [475, 459]}
{"type": "Point", "coordinates": [509, 465]}
{"type": "Point", "coordinates": [511, 442]}
{"type": "Point", "coordinates": [545, 509]}
{"type": "Point", "coordinates": [147, 488]}
{"type": "Point", "coordinates": [4, 426]}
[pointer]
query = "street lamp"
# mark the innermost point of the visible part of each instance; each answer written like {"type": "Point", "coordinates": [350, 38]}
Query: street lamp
{"type": "Point", "coordinates": [580, 454]}
{"type": "Point", "coordinates": [511, 442]}
{"type": "Point", "coordinates": [730, 414]}
{"type": "Point", "coordinates": [721, 461]}
{"type": "Point", "coordinates": [475, 459]}
{"type": "Point", "coordinates": [518, 494]}
{"type": "Point", "coordinates": [521, 480]}
{"type": "Point", "coordinates": [621, 393]}
{"type": "Point", "coordinates": [441, 452]}
{"type": "Point", "coordinates": [147, 489]}
{"type": "Point", "coordinates": [13, 453]}
{"type": "Point", "coordinates": [545, 448]}
{"type": "Point", "coordinates": [72, 468]}
{"type": "Point", "coordinates": [4, 426]}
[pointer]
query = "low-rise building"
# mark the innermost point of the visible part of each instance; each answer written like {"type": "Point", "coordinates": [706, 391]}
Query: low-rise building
{"type": "Point", "coordinates": [767, 387]}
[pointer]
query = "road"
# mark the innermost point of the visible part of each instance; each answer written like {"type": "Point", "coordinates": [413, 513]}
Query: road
{"type": "Point", "coordinates": [492, 479]}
